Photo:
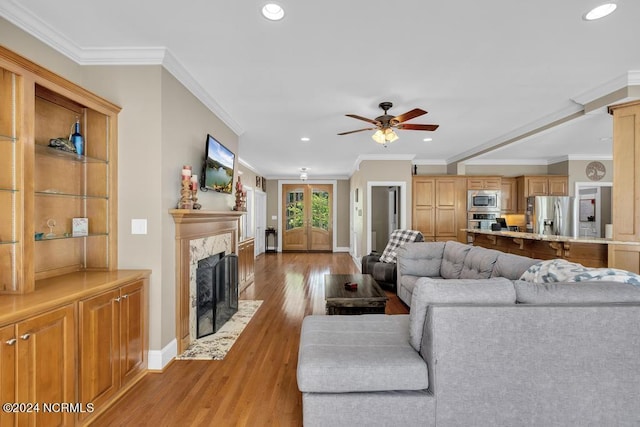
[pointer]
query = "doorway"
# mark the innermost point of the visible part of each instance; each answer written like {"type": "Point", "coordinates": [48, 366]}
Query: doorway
{"type": "Point", "coordinates": [307, 217]}
{"type": "Point", "coordinates": [385, 212]}
{"type": "Point", "coordinates": [260, 221]}
{"type": "Point", "coordinates": [593, 208]}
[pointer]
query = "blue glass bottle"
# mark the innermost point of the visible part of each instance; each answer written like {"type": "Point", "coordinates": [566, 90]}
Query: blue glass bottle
{"type": "Point", "coordinates": [76, 138]}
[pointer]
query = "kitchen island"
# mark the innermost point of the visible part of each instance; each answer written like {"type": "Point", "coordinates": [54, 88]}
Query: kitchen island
{"type": "Point", "coordinates": [588, 251]}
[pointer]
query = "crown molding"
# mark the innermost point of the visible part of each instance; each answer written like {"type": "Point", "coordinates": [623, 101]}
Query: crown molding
{"type": "Point", "coordinates": [429, 162]}
{"type": "Point", "coordinates": [630, 78]}
{"type": "Point", "coordinates": [23, 18]}
{"type": "Point", "coordinates": [248, 166]}
{"type": "Point", "coordinates": [571, 157]}
{"type": "Point", "coordinates": [506, 162]}
{"type": "Point", "coordinates": [363, 157]}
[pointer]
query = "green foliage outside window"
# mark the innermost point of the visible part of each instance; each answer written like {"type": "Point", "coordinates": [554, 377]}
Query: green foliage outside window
{"type": "Point", "coordinates": [319, 212]}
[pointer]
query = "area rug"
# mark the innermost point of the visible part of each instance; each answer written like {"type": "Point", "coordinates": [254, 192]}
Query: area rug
{"type": "Point", "coordinates": [216, 346]}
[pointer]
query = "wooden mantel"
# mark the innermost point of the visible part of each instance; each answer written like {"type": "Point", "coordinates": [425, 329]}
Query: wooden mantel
{"type": "Point", "coordinates": [196, 224]}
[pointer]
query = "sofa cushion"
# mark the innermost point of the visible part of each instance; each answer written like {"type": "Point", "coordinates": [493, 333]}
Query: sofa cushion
{"type": "Point", "coordinates": [397, 239]}
{"type": "Point", "coordinates": [420, 259]}
{"type": "Point", "coordinates": [583, 292]}
{"type": "Point", "coordinates": [426, 292]}
{"type": "Point", "coordinates": [453, 259]}
{"type": "Point", "coordinates": [512, 266]}
{"type": "Point", "coordinates": [371, 352]}
{"type": "Point", "coordinates": [479, 262]}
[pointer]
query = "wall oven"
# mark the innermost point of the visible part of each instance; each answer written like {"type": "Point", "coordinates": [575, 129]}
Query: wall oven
{"type": "Point", "coordinates": [482, 221]}
{"type": "Point", "coordinates": [483, 201]}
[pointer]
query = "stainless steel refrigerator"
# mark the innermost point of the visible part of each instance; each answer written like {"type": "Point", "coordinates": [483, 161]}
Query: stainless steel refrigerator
{"type": "Point", "coordinates": [552, 215]}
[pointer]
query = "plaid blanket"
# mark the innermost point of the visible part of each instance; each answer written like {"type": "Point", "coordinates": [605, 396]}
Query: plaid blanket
{"type": "Point", "coordinates": [397, 239]}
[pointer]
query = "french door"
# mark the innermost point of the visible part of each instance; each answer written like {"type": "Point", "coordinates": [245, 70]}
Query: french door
{"type": "Point", "coordinates": [307, 217]}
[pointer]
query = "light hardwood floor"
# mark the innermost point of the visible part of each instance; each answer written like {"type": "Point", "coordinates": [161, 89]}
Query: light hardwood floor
{"type": "Point", "coordinates": [255, 385]}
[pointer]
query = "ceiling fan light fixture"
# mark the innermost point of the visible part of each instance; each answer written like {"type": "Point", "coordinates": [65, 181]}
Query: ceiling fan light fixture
{"type": "Point", "coordinates": [390, 135]}
{"type": "Point", "coordinates": [600, 11]}
{"type": "Point", "coordinates": [378, 137]}
{"type": "Point", "coordinates": [273, 11]}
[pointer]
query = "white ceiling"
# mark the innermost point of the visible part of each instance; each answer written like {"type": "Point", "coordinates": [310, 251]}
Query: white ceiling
{"type": "Point", "coordinates": [486, 71]}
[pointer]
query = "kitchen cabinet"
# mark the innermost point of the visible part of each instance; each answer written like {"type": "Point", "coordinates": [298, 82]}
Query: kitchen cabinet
{"type": "Point", "coordinates": [484, 183]}
{"type": "Point", "coordinates": [439, 207]}
{"type": "Point", "coordinates": [112, 343]}
{"type": "Point", "coordinates": [540, 185]}
{"type": "Point", "coordinates": [508, 196]}
{"type": "Point", "coordinates": [38, 366]}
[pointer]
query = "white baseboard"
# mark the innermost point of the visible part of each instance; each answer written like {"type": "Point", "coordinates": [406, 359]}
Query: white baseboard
{"type": "Point", "coordinates": [158, 359]}
{"type": "Point", "coordinates": [341, 249]}
{"type": "Point", "coordinates": [358, 262]}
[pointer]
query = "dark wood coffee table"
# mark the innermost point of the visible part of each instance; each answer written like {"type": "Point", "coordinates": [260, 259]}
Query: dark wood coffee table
{"type": "Point", "coordinates": [368, 298]}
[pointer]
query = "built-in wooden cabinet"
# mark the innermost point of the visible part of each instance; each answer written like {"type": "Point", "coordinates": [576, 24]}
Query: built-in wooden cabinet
{"type": "Point", "coordinates": [439, 207]}
{"type": "Point", "coordinates": [626, 191]}
{"type": "Point", "coordinates": [508, 195]}
{"type": "Point", "coordinates": [111, 346]}
{"type": "Point", "coordinates": [42, 188]}
{"type": "Point", "coordinates": [540, 185]}
{"type": "Point", "coordinates": [484, 183]}
{"type": "Point", "coordinates": [38, 367]}
{"type": "Point", "coordinates": [246, 262]}
{"type": "Point", "coordinates": [46, 272]}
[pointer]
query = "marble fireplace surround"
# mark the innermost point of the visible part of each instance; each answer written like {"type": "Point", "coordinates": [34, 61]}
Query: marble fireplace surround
{"type": "Point", "coordinates": [198, 234]}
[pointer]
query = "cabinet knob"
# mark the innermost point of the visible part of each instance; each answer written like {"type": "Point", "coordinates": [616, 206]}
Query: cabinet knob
{"type": "Point", "coordinates": [25, 336]}
{"type": "Point", "coordinates": [117, 299]}
{"type": "Point", "coordinates": [12, 341]}
{"type": "Point", "coordinates": [125, 296]}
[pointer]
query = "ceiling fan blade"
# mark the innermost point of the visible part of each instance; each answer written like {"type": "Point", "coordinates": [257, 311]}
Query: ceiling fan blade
{"type": "Point", "coordinates": [354, 131]}
{"type": "Point", "coordinates": [355, 116]}
{"type": "Point", "coordinates": [409, 126]}
{"type": "Point", "coordinates": [416, 112]}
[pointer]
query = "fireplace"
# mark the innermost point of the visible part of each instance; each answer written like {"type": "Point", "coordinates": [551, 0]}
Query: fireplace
{"type": "Point", "coordinates": [199, 234]}
{"type": "Point", "coordinates": [217, 292]}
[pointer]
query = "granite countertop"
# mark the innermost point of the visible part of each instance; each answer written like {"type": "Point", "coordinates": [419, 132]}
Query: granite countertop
{"type": "Point", "coordinates": [550, 238]}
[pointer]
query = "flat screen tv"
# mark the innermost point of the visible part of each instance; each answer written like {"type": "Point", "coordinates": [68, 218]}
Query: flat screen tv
{"type": "Point", "coordinates": [218, 167]}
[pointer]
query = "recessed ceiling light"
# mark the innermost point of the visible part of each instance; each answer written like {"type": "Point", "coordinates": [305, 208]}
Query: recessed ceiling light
{"type": "Point", "coordinates": [599, 11]}
{"type": "Point", "coordinates": [428, 139]}
{"type": "Point", "coordinates": [273, 11]}
{"type": "Point", "coordinates": [305, 139]}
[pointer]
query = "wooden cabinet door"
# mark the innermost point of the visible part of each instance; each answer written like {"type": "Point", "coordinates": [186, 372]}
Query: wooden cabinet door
{"type": "Point", "coordinates": [132, 326]}
{"type": "Point", "coordinates": [538, 186]}
{"type": "Point", "coordinates": [492, 183]}
{"type": "Point", "coordinates": [475, 184]}
{"type": "Point", "coordinates": [99, 349]}
{"type": "Point", "coordinates": [446, 222]}
{"type": "Point", "coordinates": [8, 346]}
{"type": "Point", "coordinates": [558, 186]}
{"type": "Point", "coordinates": [446, 193]}
{"type": "Point", "coordinates": [424, 206]}
{"type": "Point", "coordinates": [46, 365]}
{"type": "Point", "coordinates": [508, 195]}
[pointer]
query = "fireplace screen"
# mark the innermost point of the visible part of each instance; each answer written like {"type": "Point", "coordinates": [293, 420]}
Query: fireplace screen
{"type": "Point", "coordinates": [217, 292]}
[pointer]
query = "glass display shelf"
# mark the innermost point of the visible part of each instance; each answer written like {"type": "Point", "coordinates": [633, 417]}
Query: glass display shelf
{"type": "Point", "coordinates": [43, 150]}
{"type": "Point", "coordinates": [55, 193]}
{"type": "Point", "coordinates": [63, 237]}
{"type": "Point", "coordinates": [8, 138]}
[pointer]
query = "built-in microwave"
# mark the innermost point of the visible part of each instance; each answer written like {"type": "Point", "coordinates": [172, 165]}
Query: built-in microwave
{"type": "Point", "coordinates": [483, 201]}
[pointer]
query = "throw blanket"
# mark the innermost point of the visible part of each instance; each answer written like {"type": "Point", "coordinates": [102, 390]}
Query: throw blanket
{"type": "Point", "coordinates": [397, 239]}
{"type": "Point", "coordinates": [560, 270]}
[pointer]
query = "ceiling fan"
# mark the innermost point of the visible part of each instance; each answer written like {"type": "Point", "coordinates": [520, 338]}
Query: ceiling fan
{"type": "Point", "coordinates": [384, 124]}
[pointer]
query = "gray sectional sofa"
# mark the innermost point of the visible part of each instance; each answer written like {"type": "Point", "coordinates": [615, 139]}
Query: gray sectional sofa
{"type": "Point", "coordinates": [482, 348]}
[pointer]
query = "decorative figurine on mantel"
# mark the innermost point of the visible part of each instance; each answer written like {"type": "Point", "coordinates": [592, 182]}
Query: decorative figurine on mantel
{"type": "Point", "coordinates": [194, 192]}
{"type": "Point", "coordinates": [241, 197]}
{"type": "Point", "coordinates": [186, 201]}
